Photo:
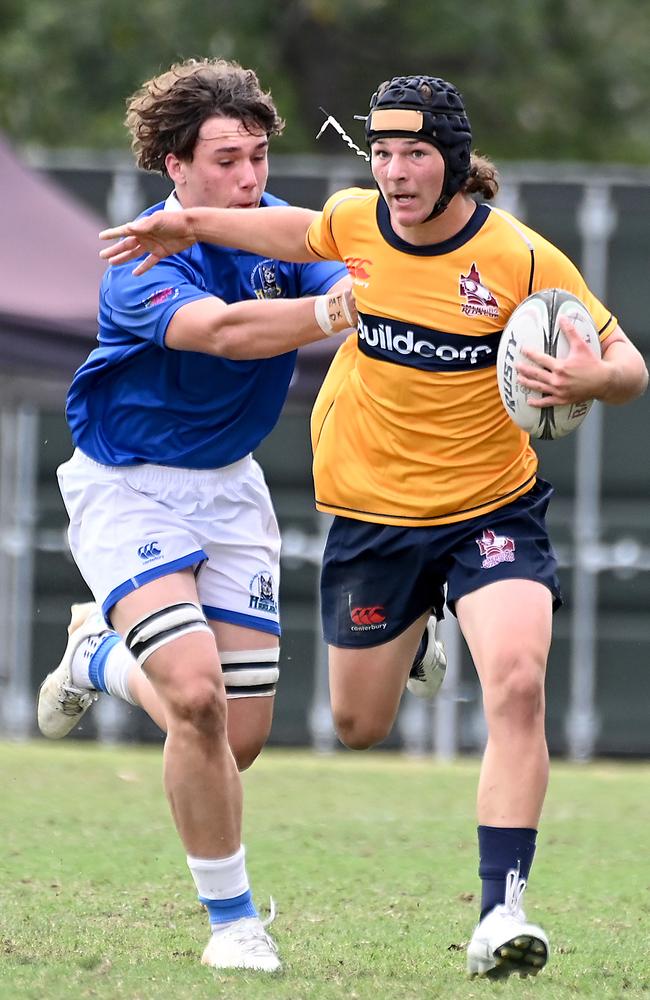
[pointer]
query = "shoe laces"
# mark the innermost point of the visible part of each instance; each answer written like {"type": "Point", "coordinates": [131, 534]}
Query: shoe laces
{"type": "Point", "coordinates": [272, 912]}
{"type": "Point", "coordinates": [74, 700]}
{"type": "Point", "coordinates": [250, 933]}
{"type": "Point", "coordinates": [515, 888]}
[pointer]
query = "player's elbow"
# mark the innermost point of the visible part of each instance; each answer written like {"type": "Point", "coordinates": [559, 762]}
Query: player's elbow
{"type": "Point", "coordinates": [631, 382]}
{"type": "Point", "coordinates": [643, 378]}
{"type": "Point", "coordinates": [228, 340]}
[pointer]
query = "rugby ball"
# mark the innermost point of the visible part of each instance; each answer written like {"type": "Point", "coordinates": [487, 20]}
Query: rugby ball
{"type": "Point", "coordinates": [534, 324]}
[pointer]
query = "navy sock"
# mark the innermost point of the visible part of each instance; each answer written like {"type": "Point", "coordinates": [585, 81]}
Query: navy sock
{"type": "Point", "coordinates": [500, 849]}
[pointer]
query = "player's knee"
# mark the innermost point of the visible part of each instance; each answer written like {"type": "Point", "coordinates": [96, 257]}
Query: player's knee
{"type": "Point", "coordinates": [199, 702]}
{"type": "Point", "coordinates": [249, 725]}
{"type": "Point", "coordinates": [246, 751]}
{"type": "Point", "coordinates": [518, 694]}
{"type": "Point", "coordinates": [359, 733]}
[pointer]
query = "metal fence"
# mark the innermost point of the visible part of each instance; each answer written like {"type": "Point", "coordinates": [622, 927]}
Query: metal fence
{"type": "Point", "coordinates": [601, 218]}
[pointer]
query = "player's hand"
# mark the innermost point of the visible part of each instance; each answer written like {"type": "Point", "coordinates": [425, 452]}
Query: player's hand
{"type": "Point", "coordinates": [578, 377]}
{"type": "Point", "coordinates": [158, 235]}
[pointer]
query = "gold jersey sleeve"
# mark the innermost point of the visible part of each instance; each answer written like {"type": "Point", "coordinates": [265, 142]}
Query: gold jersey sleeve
{"type": "Point", "coordinates": [408, 427]}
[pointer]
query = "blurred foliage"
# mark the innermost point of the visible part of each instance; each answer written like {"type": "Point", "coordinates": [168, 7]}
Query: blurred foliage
{"type": "Point", "coordinates": [553, 79]}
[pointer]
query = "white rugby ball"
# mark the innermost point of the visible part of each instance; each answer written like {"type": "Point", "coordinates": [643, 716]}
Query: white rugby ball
{"type": "Point", "coordinates": [534, 325]}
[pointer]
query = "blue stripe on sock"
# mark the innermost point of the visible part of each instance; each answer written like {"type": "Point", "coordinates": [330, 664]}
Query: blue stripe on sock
{"type": "Point", "coordinates": [97, 664]}
{"type": "Point", "coordinates": [223, 911]}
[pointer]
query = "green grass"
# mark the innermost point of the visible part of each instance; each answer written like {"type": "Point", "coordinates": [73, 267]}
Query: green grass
{"type": "Point", "coordinates": [371, 858]}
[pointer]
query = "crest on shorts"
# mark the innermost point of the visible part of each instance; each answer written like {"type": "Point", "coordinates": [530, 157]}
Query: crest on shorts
{"type": "Point", "coordinates": [480, 300]}
{"type": "Point", "coordinates": [262, 597]}
{"type": "Point", "coordinates": [495, 549]}
{"type": "Point", "coordinates": [264, 279]}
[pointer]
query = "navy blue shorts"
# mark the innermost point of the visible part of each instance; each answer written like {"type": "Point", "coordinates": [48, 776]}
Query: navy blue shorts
{"type": "Point", "coordinates": [377, 579]}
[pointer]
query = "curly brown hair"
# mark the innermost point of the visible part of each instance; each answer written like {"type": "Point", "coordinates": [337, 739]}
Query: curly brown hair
{"type": "Point", "coordinates": [164, 116]}
{"type": "Point", "coordinates": [483, 177]}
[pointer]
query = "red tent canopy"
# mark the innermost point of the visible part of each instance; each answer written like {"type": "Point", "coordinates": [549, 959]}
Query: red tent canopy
{"type": "Point", "coordinates": [49, 274]}
{"type": "Point", "coordinates": [49, 279]}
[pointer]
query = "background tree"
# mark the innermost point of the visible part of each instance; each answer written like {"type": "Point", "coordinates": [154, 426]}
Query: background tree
{"type": "Point", "coordinates": [554, 79]}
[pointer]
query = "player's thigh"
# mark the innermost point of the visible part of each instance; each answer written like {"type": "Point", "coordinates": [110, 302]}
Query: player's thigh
{"type": "Point", "coordinates": [238, 583]}
{"type": "Point", "coordinates": [366, 684]}
{"type": "Point", "coordinates": [507, 625]}
{"type": "Point", "coordinates": [184, 656]}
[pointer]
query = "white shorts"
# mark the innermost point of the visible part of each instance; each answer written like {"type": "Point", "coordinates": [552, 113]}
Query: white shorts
{"type": "Point", "coordinates": [131, 525]}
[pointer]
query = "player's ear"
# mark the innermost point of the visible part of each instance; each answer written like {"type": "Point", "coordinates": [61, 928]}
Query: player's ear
{"type": "Point", "coordinates": [174, 168]}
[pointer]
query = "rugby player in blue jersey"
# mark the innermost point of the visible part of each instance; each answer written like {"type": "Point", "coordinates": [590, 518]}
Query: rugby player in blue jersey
{"type": "Point", "coordinates": [171, 523]}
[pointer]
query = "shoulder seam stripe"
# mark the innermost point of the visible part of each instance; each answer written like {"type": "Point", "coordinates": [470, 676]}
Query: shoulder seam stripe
{"type": "Point", "coordinates": [605, 325]}
{"type": "Point", "coordinates": [312, 249]}
{"type": "Point", "coordinates": [513, 225]}
{"type": "Point", "coordinates": [343, 198]}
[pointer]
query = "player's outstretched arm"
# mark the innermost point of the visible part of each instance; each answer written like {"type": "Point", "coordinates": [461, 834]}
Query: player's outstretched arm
{"type": "Point", "coordinates": [277, 232]}
{"type": "Point", "coordinates": [260, 329]}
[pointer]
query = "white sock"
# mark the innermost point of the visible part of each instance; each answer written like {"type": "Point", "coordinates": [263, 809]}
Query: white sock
{"type": "Point", "coordinates": [220, 878]}
{"type": "Point", "coordinates": [116, 665]}
{"type": "Point", "coordinates": [119, 664]}
{"type": "Point", "coordinates": [223, 888]}
{"type": "Point", "coordinates": [82, 657]}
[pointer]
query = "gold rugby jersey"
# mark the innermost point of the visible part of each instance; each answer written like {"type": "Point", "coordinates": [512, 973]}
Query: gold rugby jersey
{"type": "Point", "coordinates": [408, 427]}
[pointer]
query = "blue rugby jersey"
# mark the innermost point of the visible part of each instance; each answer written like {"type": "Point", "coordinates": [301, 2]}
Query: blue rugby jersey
{"type": "Point", "coordinates": [135, 401]}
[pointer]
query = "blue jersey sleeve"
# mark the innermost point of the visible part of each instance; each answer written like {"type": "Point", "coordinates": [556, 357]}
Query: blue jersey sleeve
{"type": "Point", "coordinates": [318, 277]}
{"type": "Point", "coordinates": [142, 307]}
{"type": "Point", "coordinates": [314, 278]}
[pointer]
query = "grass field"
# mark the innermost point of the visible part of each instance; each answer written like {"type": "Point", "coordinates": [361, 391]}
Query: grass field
{"type": "Point", "coordinates": [370, 857]}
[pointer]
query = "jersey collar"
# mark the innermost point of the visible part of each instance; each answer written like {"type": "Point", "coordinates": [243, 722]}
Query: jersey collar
{"type": "Point", "coordinates": [470, 229]}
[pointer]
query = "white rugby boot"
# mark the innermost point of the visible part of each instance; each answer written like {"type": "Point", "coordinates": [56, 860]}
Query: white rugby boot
{"type": "Point", "coordinates": [60, 704]}
{"type": "Point", "coordinates": [504, 942]}
{"type": "Point", "coordinates": [428, 673]}
{"type": "Point", "coordinates": [243, 944]}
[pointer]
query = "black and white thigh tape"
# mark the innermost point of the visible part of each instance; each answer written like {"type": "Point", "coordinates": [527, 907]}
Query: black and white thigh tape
{"type": "Point", "coordinates": [162, 626]}
{"type": "Point", "coordinates": [250, 673]}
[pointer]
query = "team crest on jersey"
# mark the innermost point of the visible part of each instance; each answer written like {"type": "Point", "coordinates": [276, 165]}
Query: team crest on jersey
{"type": "Point", "coordinates": [264, 279]}
{"type": "Point", "coordinates": [358, 270]}
{"type": "Point", "coordinates": [495, 549]}
{"type": "Point", "coordinates": [480, 300]}
{"type": "Point", "coordinates": [159, 296]}
{"type": "Point", "coordinates": [262, 597]}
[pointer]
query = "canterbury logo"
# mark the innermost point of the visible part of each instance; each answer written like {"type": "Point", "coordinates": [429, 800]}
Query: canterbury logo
{"type": "Point", "coordinates": [368, 616]}
{"type": "Point", "coordinates": [149, 551]}
{"type": "Point", "coordinates": [357, 268]}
